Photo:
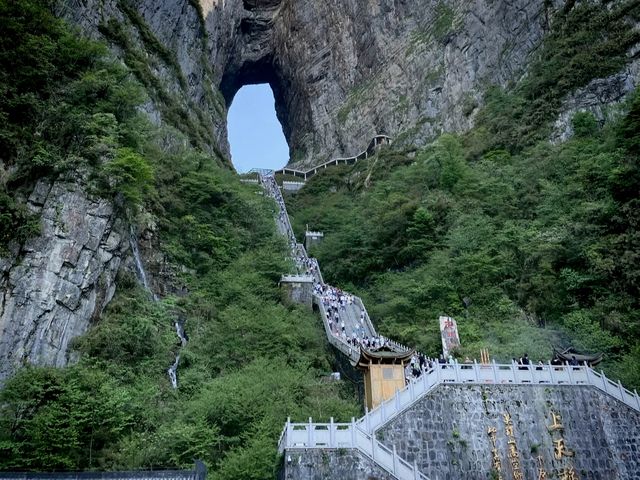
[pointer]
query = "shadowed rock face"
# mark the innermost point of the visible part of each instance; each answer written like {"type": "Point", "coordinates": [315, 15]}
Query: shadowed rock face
{"type": "Point", "coordinates": [344, 71]}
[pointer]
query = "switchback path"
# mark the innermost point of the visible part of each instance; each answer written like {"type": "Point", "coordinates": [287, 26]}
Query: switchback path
{"type": "Point", "coordinates": [345, 318]}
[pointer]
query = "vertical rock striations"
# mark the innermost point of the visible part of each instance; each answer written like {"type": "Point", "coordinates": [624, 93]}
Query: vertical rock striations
{"type": "Point", "coordinates": [341, 70]}
{"type": "Point", "coordinates": [56, 284]}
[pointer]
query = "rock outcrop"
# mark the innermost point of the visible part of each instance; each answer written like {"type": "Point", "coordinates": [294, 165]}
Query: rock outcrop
{"type": "Point", "coordinates": [600, 97]}
{"type": "Point", "coordinates": [56, 284]}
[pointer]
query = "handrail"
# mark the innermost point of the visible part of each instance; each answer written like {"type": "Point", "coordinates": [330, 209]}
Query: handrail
{"type": "Point", "coordinates": [335, 161]}
{"type": "Point", "coordinates": [442, 373]}
{"type": "Point", "coordinates": [496, 374]}
{"type": "Point", "coordinates": [347, 435]}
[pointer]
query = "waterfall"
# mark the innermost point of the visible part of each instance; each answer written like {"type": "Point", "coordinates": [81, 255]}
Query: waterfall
{"type": "Point", "coordinates": [181, 333]}
{"type": "Point", "coordinates": [142, 275]}
{"type": "Point", "coordinates": [172, 372]}
{"type": "Point", "coordinates": [179, 324]}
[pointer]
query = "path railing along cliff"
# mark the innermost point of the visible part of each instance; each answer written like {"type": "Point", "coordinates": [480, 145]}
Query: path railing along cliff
{"type": "Point", "coordinates": [377, 141]}
{"type": "Point", "coordinates": [350, 314]}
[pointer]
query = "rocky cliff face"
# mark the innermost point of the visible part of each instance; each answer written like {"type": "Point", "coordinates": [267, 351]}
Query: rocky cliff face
{"type": "Point", "coordinates": [343, 70]}
{"type": "Point", "coordinates": [56, 284]}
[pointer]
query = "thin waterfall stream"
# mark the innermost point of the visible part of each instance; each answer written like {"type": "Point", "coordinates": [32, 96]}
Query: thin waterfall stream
{"type": "Point", "coordinates": [172, 371]}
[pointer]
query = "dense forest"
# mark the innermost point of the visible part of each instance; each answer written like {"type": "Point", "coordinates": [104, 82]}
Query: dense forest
{"type": "Point", "coordinates": [528, 244]}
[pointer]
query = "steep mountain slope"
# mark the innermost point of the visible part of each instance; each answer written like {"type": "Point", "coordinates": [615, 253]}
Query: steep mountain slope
{"type": "Point", "coordinates": [250, 360]}
{"type": "Point", "coordinates": [122, 142]}
{"type": "Point", "coordinates": [529, 243]}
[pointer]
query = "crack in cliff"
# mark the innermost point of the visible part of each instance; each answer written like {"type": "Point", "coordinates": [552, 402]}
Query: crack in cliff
{"type": "Point", "coordinates": [29, 342]}
{"type": "Point", "coordinates": [4, 285]}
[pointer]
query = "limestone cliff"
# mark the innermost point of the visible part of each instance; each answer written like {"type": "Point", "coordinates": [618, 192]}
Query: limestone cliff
{"type": "Point", "coordinates": [341, 71]}
{"type": "Point", "coordinates": [57, 283]}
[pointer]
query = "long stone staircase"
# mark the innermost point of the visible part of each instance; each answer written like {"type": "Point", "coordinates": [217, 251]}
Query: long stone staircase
{"type": "Point", "coordinates": [361, 434]}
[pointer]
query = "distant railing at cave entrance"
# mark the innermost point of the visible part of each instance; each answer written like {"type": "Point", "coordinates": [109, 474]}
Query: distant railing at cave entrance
{"type": "Point", "coordinates": [376, 142]}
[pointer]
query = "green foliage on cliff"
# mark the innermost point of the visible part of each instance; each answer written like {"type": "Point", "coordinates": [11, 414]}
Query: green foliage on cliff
{"type": "Point", "coordinates": [587, 42]}
{"type": "Point", "coordinates": [540, 241]}
{"type": "Point", "coordinates": [66, 108]}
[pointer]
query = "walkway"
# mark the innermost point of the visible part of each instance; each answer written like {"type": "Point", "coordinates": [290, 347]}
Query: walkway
{"type": "Point", "coordinates": [376, 142]}
{"type": "Point", "coordinates": [345, 318]}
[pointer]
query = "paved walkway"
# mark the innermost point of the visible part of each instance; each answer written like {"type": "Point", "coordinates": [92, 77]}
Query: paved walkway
{"type": "Point", "coordinates": [346, 320]}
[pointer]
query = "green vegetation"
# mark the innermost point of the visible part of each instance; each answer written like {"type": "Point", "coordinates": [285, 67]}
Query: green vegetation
{"type": "Point", "coordinates": [528, 244]}
{"type": "Point", "coordinates": [65, 109]}
{"type": "Point", "coordinates": [250, 361]}
{"type": "Point", "coordinates": [539, 241]}
{"type": "Point", "coordinates": [586, 42]}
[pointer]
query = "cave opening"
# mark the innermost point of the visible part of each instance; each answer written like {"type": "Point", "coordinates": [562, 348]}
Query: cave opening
{"type": "Point", "coordinates": [255, 133]}
{"type": "Point", "coordinates": [257, 119]}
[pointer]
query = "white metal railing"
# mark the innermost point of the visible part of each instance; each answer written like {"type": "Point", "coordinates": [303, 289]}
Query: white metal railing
{"type": "Point", "coordinates": [361, 434]}
{"type": "Point", "coordinates": [493, 374]}
{"type": "Point", "coordinates": [336, 161]}
{"type": "Point", "coordinates": [347, 435]}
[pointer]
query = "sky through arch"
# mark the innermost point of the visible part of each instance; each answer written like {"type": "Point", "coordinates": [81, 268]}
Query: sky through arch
{"type": "Point", "coordinates": [255, 134]}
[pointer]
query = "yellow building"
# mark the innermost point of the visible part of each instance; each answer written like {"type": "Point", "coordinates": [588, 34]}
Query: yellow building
{"type": "Point", "coordinates": [383, 374]}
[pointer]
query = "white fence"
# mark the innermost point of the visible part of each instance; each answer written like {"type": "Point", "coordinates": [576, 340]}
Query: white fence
{"type": "Point", "coordinates": [373, 144]}
{"type": "Point", "coordinates": [494, 374]}
{"type": "Point", "coordinates": [347, 435]}
{"type": "Point", "coordinates": [361, 434]}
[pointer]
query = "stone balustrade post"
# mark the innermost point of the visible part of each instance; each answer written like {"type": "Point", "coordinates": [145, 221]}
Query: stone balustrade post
{"type": "Point", "coordinates": [332, 434]}
{"type": "Point", "coordinates": [373, 446]}
{"type": "Point", "coordinates": [621, 388]}
{"type": "Point", "coordinates": [569, 370]}
{"type": "Point", "coordinates": [476, 371]}
{"type": "Point", "coordinates": [495, 371]}
{"type": "Point", "coordinates": [456, 371]}
{"type": "Point", "coordinates": [354, 443]}
{"type": "Point", "coordinates": [310, 439]}
{"type": "Point", "coordinates": [412, 390]}
{"type": "Point", "coordinates": [604, 381]}
{"type": "Point", "coordinates": [367, 419]}
{"type": "Point", "coordinates": [395, 460]}
{"type": "Point", "coordinates": [551, 376]}
{"type": "Point", "coordinates": [416, 473]}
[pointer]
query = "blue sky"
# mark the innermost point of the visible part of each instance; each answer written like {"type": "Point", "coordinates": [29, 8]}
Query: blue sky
{"type": "Point", "coordinates": [255, 135]}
